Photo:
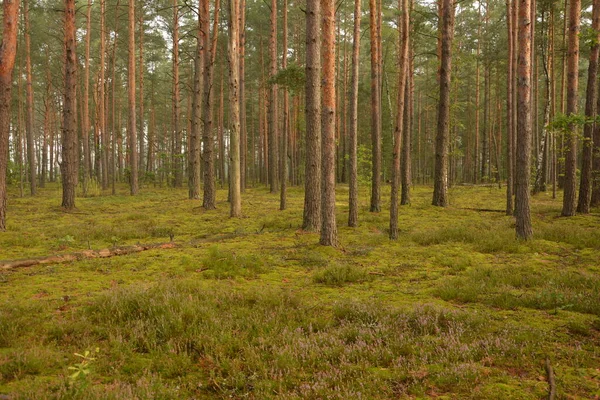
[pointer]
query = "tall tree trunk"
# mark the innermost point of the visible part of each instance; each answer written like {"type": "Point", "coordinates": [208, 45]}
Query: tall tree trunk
{"type": "Point", "coordinates": [312, 201]}
{"type": "Point", "coordinates": [440, 188]}
{"type": "Point", "coordinates": [286, 117]}
{"type": "Point", "coordinates": [102, 134]}
{"type": "Point", "coordinates": [477, 75]}
{"type": "Point", "coordinates": [220, 134]}
{"type": "Point", "coordinates": [542, 158]}
{"type": "Point", "coordinates": [132, 125]}
{"type": "Point", "coordinates": [405, 158]}
{"type": "Point", "coordinates": [509, 111]}
{"type": "Point", "coordinates": [273, 107]}
{"type": "Point", "coordinates": [353, 129]}
{"type": "Point", "coordinates": [70, 155]}
{"type": "Point", "coordinates": [570, 148]}
{"type": "Point", "coordinates": [595, 197]}
{"type": "Point", "coordinates": [585, 187]}
{"type": "Point", "coordinates": [29, 98]}
{"type": "Point", "coordinates": [8, 52]}
{"type": "Point", "coordinates": [176, 155]}
{"type": "Point", "coordinates": [208, 142]}
{"type": "Point", "coordinates": [142, 120]}
{"type": "Point", "coordinates": [375, 108]}
{"type": "Point", "coordinates": [522, 172]}
{"type": "Point", "coordinates": [85, 136]}
{"type": "Point", "coordinates": [195, 135]}
{"type": "Point", "coordinates": [243, 122]}
{"type": "Point", "coordinates": [398, 134]}
{"type": "Point", "coordinates": [234, 109]}
{"type": "Point", "coordinates": [328, 224]}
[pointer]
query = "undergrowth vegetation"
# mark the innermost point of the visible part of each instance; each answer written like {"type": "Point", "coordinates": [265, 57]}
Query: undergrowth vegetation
{"type": "Point", "coordinates": [254, 308]}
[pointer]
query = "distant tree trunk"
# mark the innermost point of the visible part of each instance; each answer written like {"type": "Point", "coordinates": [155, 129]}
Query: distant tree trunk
{"type": "Point", "coordinates": [151, 132]}
{"type": "Point", "coordinates": [142, 121]}
{"type": "Point", "coordinates": [477, 74]}
{"type": "Point", "coordinates": [595, 198]}
{"type": "Point", "coordinates": [116, 139]}
{"type": "Point", "coordinates": [29, 98]}
{"type": "Point", "coordinates": [353, 129]}
{"type": "Point", "coordinates": [509, 111]}
{"type": "Point", "coordinates": [405, 157]}
{"type": "Point", "coordinates": [286, 117]}
{"type": "Point", "coordinates": [570, 186]}
{"type": "Point", "coordinates": [552, 73]}
{"type": "Point", "coordinates": [47, 122]}
{"type": "Point", "coordinates": [85, 138]}
{"type": "Point", "coordinates": [585, 187]}
{"type": "Point", "coordinates": [561, 145]}
{"type": "Point", "coordinates": [208, 143]}
{"type": "Point", "coordinates": [220, 134]}
{"type": "Point", "coordinates": [399, 134]}
{"type": "Point", "coordinates": [542, 158]}
{"type": "Point", "coordinates": [312, 201]}
{"type": "Point", "coordinates": [273, 107]}
{"type": "Point", "coordinates": [328, 224]}
{"type": "Point", "coordinates": [176, 155]}
{"type": "Point", "coordinates": [8, 51]}
{"type": "Point", "coordinates": [440, 188]}
{"type": "Point", "coordinates": [70, 157]}
{"type": "Point", "coordinates": [195, 134]}
{"type": "Point", "coordinates": [375, 108]}
{"type": "Point", "coordinates": [132, 125]}
{"type": "Point", "coordinates": [522, 173]}
{"type": "Point", "coordinates": [243, 125]}
{"type": "Point", "coordinates": [234, 109]}
{"type": "Point", "coordinates": [103, 144]}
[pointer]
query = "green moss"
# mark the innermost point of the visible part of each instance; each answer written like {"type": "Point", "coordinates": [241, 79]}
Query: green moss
{"type": "Point", "coordinates": [254, 307]}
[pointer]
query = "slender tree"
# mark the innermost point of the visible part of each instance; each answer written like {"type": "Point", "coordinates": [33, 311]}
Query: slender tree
{"type": "Point", "coordinates": [273, 107]}
{"type": "Point", "coordinates": [29, 99]}
{"type": "Point", "coordinates": [132, 125]}
{"type": "Point", "coordinates": [353, 128]}
{"type": "Point", "coordinates": [312, 201]}
{"type": "Point", "coordinates": [585, 187]}
{"type": "Point", "coordinates": [523, 144]}
{"type": "Point", "coordinates": [195, 134]}
{"type": "Point", "coordinates": [286, 119]}
{"type": "Point", "coordinates": [208, 143]}
{"type": "Point", "coordinates": [103, 145]}
{"type": "Point", "coordinates": [509, 111]}
{"type": "Point", "coordinates": [8, 52]}
{"type": "Point", "coordinates": [234, 108]}
{"type": "Point", "coordinates": [243, 122]}
{"type": "Point", "coordinates": [70, 160]}
{"type": "Point", "coordinates": [398, 133]}
{"type": "Point", "coordinates": [440, 188]}
{"type": "Point", "coordinates": [375, 107]}
{"type": "Point", "coordinates": [570, 148]}
{"type": "Point", "coordinates": [85, 138]}
{"type": "Point", "coordinates": [328, 224]}
{"type": "Point", "coordinates": [176, 155]}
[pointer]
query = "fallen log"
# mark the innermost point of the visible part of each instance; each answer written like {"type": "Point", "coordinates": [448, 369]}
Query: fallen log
{"type": "Point", "coordinates": [81, 255]}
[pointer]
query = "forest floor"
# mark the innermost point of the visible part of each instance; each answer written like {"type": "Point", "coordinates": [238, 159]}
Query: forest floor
{"type": "Point", "coordinates": [255, 308]}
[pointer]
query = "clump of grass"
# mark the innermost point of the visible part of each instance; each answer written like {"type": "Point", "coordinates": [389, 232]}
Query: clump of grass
{"type": "Point", "coordinates": [566, 232]}
{"type": "Point", "coordinates": [514, 286]}
{"type": "Point", "coordinates": [340, 274]}
{"type": "Point", "coordinates": [311, 259]}
{"type": "Point", "coordinates": [484, 237]}
{"type": "Point", "coordinates": [220, 264]}
{"type": "Point", "coordinates": [18, 366]}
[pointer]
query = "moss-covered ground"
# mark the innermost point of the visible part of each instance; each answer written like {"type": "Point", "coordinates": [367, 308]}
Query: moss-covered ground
{"type": "Point", "coordinates": [255, 308]}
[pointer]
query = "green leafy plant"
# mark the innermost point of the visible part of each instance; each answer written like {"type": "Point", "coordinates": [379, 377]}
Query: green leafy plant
{"type": "Point", "coordinates": [82, 369]}
{"type": "Point", "coordinates": [65, 241]}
